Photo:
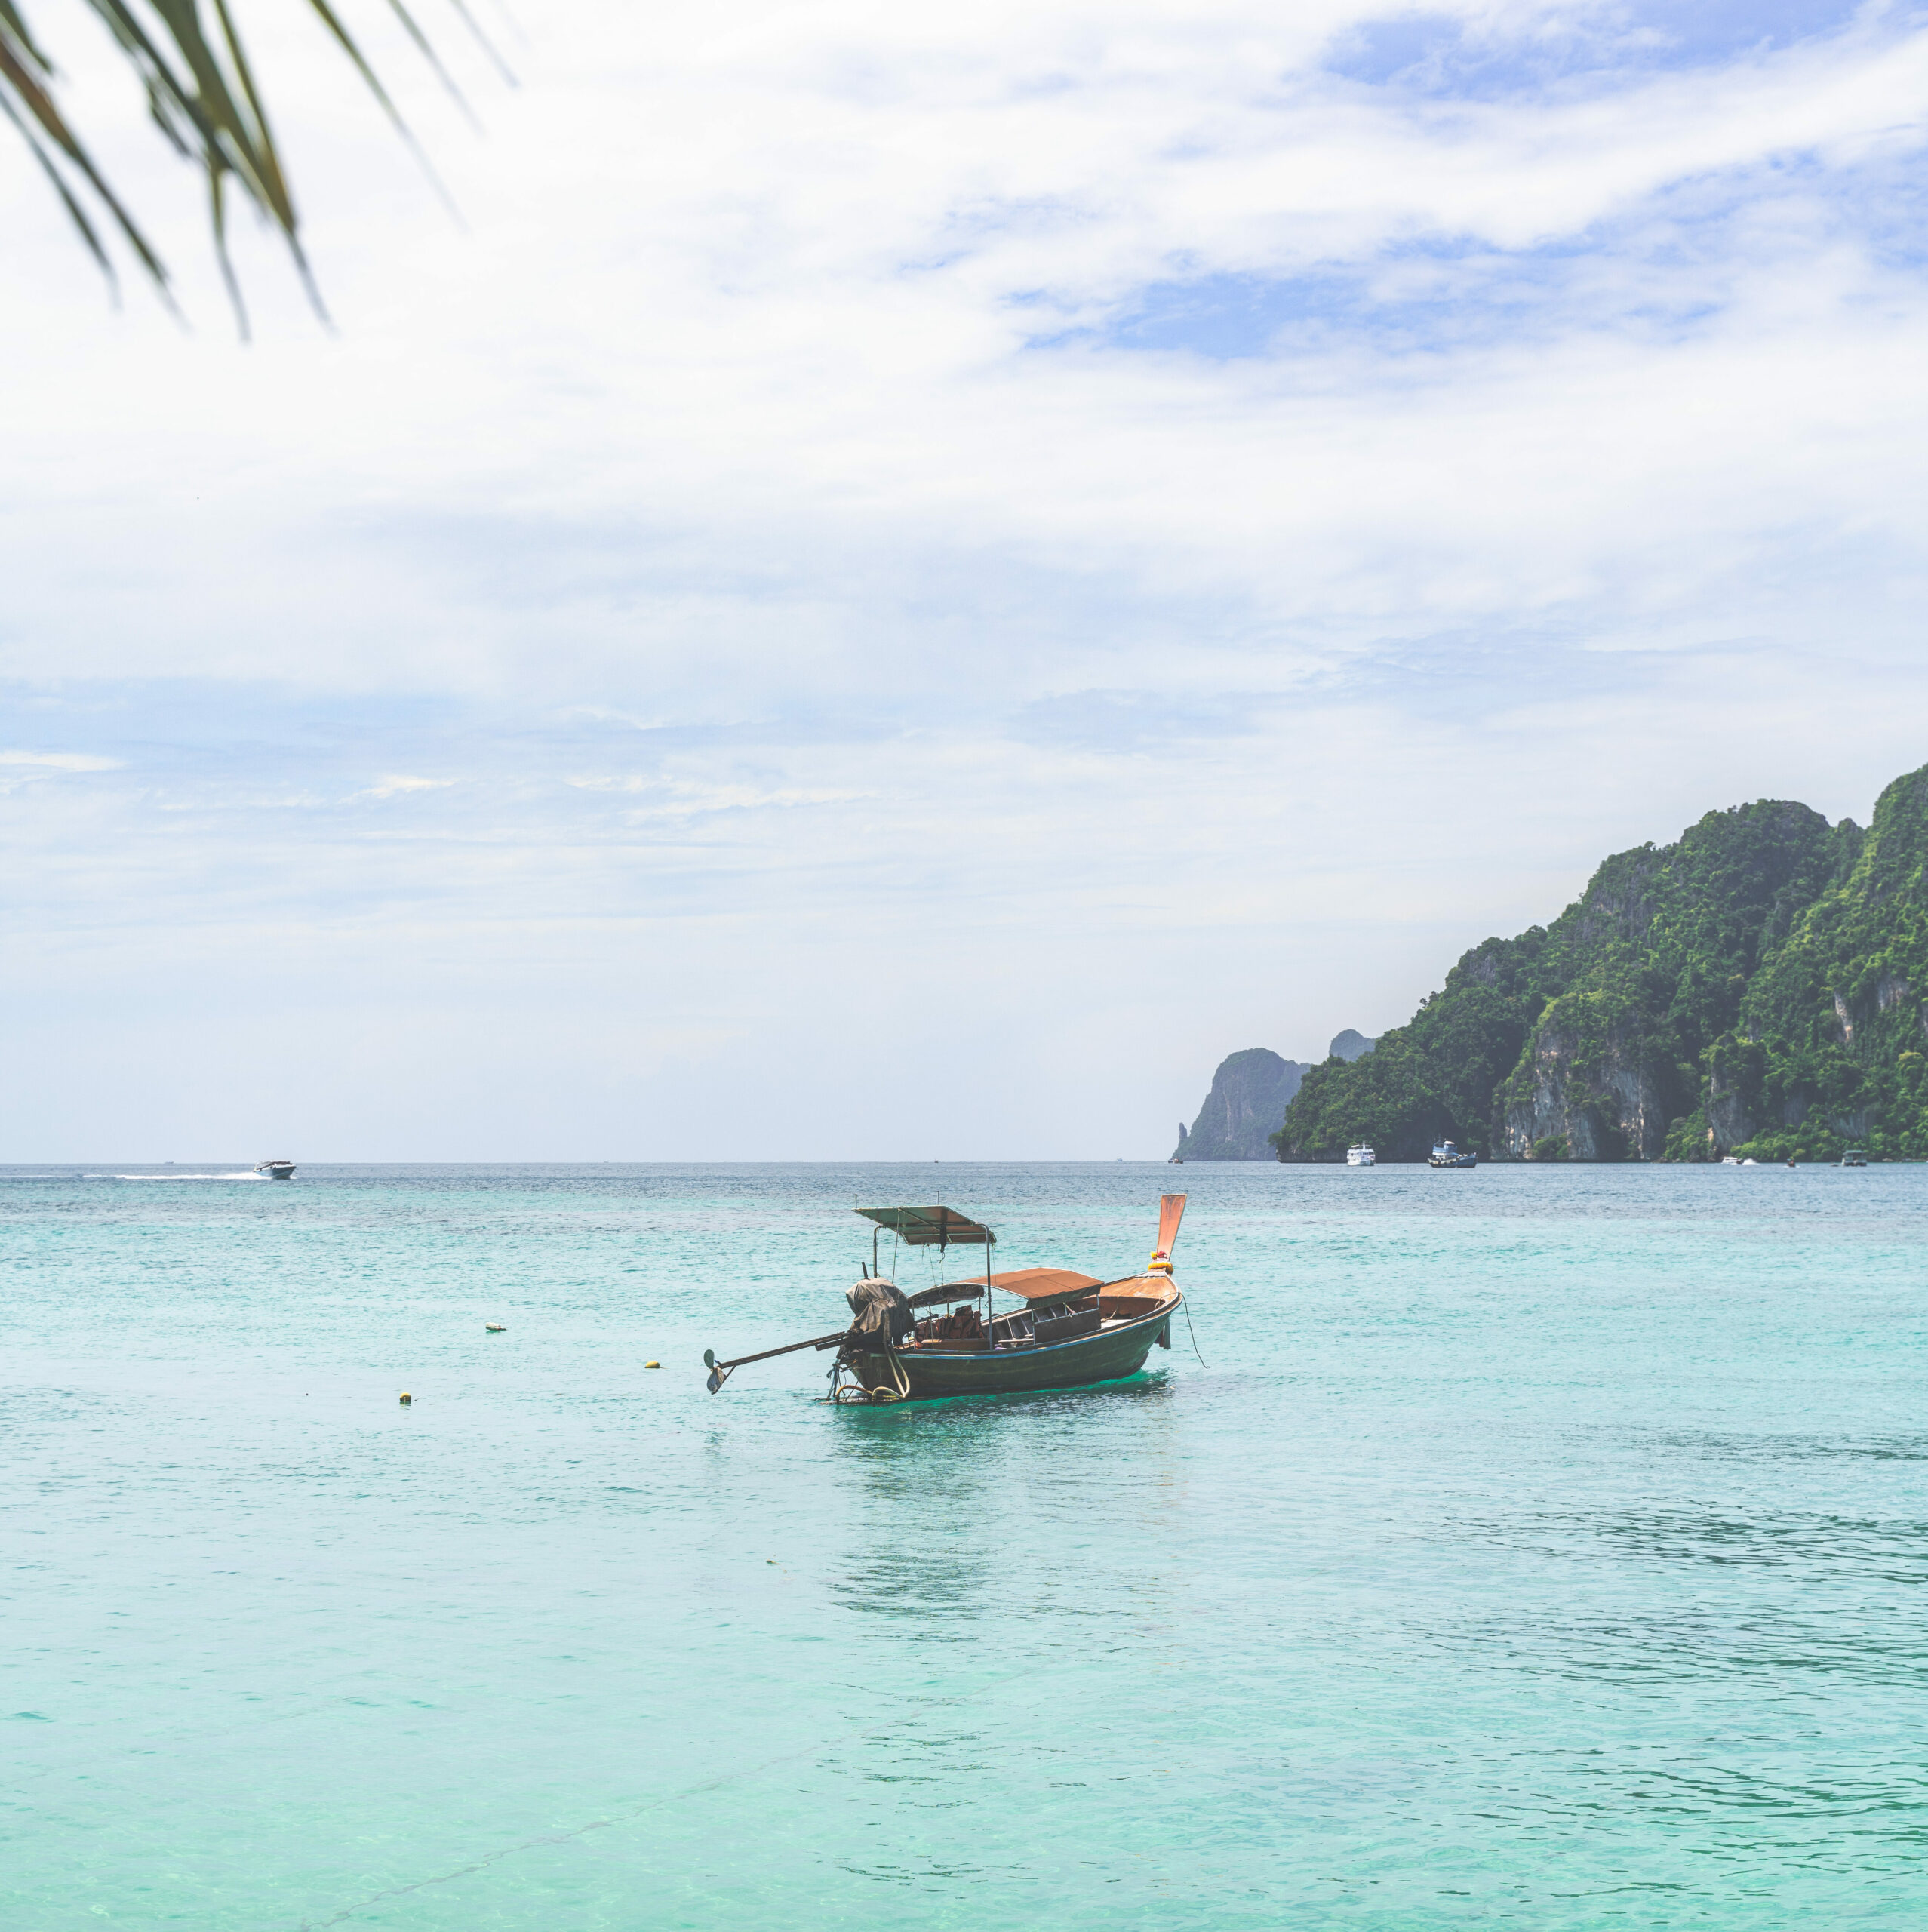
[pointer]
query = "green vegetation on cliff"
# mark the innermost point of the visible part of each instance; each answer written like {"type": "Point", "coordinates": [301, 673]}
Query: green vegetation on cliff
{"type": "Point", "coordinates": [1752, 989]}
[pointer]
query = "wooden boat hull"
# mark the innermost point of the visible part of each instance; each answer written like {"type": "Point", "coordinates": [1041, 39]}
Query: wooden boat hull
{"type": "Point", "coordinates": [1104, 1356]}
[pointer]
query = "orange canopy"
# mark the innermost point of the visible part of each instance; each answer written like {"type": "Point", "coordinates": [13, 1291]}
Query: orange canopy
{"type": "Point", "coordinates": [1038, 1283]}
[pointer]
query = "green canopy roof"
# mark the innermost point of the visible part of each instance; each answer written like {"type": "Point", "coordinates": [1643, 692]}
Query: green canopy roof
{"type": "Point", "coordinates": [930, 1227]}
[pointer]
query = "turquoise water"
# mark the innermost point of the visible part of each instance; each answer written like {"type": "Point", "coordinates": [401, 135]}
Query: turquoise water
{"type": "Point", "coordinates": [1541, 1548]}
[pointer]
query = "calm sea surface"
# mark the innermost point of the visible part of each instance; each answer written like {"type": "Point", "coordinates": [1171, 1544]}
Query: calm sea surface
{"type": "Point", "coordinates": [1539, 1548]}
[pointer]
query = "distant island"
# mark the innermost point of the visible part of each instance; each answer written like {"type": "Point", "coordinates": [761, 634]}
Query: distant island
{"type": "Point", "coordinates": [1753, 989]}
{"type": "Point", "coordinates": [1250, 1091]}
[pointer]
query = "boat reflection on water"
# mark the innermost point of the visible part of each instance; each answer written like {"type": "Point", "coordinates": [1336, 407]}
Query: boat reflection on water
{"type": "Point", "coordinates": [1038, 1460]}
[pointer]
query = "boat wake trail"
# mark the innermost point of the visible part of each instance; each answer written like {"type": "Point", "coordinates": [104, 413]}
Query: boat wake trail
{"type": "Point", "coordinates": [239, 1176]}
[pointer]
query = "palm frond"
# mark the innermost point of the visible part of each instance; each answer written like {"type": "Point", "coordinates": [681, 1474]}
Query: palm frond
{"type": "Point", "coordinates": [203, 99]}
{"type": "Point", "coordinates": [25, 74]}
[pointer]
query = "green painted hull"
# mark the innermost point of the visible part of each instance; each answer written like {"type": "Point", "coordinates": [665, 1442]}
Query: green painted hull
{"type": "Point", "coordinates": [1104, 1357]}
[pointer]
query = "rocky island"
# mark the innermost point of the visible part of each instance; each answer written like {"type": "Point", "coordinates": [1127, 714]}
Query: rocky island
{"type": "Point", "coordinates": [1754, 988]}
{"type": "Point", "coordinates": [1251, 1093]}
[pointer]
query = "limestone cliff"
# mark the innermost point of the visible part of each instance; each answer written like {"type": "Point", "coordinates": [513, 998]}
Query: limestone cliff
{"type": "Point", "coordinates": [1733, 1072]}
{"type": "Point", "coordinates": [1251, 1093]}
{"type": "Point", "coordinates": [1585, 1090]}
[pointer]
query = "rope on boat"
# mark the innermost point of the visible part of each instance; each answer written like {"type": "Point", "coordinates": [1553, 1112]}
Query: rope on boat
{"type": "Point", "coordinates": [857, 1393]}
{"type": "Point", "coordinates": [1186, 1304]}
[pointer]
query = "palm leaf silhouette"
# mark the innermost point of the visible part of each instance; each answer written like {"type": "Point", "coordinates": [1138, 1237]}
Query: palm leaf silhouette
{"type": "Point", "coordinates": [202, 93]}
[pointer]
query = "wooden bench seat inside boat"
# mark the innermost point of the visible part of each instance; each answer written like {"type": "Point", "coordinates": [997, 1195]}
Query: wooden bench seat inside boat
{"type": "Point", "coordinates": [1066, 1326]}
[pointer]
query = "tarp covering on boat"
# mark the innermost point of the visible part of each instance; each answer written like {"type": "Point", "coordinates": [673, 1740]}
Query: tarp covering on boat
{"type": "Point", "coordinates": [1037, 1283]}
{"type": "Point", "coordinates": [930, 1227]}
{"type": "Point", "coordinates": [884, 1317]}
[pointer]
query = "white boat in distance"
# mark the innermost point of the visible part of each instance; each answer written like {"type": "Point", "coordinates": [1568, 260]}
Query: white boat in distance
{"type": "Point", "coordinates": [1360, 1156]}
{"type": "Point", "coordinates": [275, 1169]}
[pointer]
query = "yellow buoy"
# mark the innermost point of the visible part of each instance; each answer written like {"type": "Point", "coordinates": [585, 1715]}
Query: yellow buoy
{"type": "Point", "coordinates": [406, 1398]}
{"type": "Point", "coordinates": [652, 1364]}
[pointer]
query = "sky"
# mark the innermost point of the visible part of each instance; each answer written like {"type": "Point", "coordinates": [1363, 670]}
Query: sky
{"type": "Point", "coordinates": [876, 583]}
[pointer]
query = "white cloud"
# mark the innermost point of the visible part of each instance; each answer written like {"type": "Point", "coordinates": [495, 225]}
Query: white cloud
{"type": "Point", "coordinates": [678, 798]}
{"type": "Point", "coordinates": [60, 761]}
{"type": "Point", "coordinates": [398, 784]}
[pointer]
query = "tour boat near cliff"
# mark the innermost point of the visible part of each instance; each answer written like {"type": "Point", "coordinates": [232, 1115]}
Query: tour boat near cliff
{"type": "Point", "coordinates": [1360, 1156]}
{"type": "Point", "coordinates": [1445, 1154]}
{"type": "Point", "coordinates": [275, 1169]}
{"type": "Point", "coordinates": [1072, 1330]}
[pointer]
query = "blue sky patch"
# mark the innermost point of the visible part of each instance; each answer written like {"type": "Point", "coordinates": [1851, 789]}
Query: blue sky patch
{"type": "Point", "coordinates": [1437, 54]}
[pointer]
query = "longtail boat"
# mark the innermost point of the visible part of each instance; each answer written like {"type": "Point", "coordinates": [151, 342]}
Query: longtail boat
{"type": "Point", "coordinates": [1070, 1330]}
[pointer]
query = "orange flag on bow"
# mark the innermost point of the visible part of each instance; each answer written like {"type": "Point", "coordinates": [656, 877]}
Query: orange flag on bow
{"type": "Point", "coordinates": [1171, 1211]}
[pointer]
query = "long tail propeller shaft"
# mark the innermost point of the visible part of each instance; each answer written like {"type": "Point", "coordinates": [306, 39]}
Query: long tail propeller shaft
{"type": "Point", "coordinates": [719, 1371]}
